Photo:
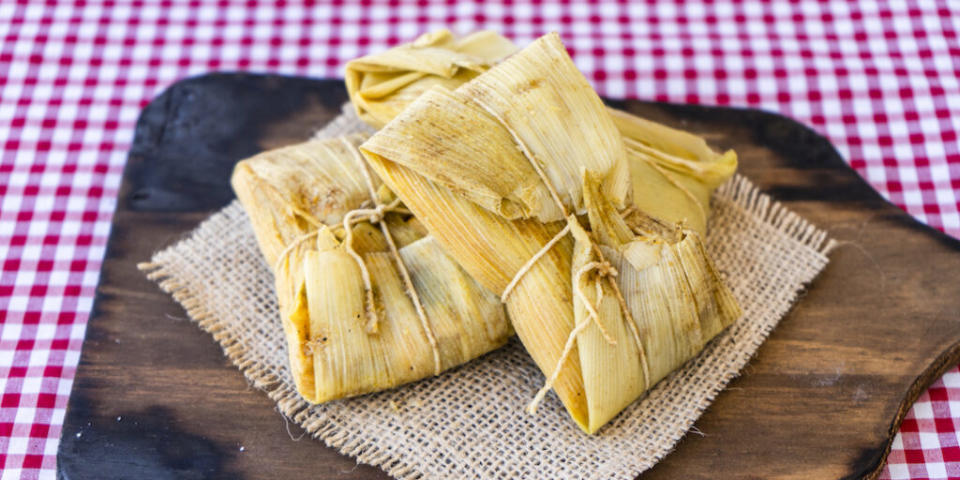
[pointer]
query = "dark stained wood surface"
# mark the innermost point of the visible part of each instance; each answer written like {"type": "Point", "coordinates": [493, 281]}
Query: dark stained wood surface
{"type": "Point", "coordinates": [154, 397]}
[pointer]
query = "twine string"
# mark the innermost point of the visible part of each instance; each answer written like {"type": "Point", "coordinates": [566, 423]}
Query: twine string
{"type": "Point", "coordinates": [604, 268]}
{"type": "Point", "coordinates": [374, 216]}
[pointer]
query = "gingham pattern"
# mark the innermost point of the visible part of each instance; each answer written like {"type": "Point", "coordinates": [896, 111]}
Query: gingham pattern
{"type": "Point", "coordinates": [928, 445]}
{"type": "Point", "coordinates": [881, 82]}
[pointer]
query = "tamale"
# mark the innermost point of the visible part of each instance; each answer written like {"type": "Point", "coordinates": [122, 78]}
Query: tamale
{"type": "Point", "coordinates": [368, 300]}
{"type": "Point", "coordinates": [382, 84]}
{"type": "Point", "coordinates": [592, 304]}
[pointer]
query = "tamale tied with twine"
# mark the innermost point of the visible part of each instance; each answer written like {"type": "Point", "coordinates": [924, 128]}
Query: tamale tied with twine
{"type": "Point", "coordinates": [368, 300]}
{"type": "Point", "coordinates": [504, 172]}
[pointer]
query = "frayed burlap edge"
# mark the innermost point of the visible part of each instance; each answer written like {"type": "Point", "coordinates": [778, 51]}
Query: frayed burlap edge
{"type": "Point", "coordinates": [744, 194]}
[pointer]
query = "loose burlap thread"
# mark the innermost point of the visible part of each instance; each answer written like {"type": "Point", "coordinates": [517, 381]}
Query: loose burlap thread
{"type": "Point", "coordinates": [470, 422]}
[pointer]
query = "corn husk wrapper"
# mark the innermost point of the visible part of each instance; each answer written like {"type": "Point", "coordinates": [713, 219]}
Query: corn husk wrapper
{"type": "Point", "coordinates": [305, 190]}
{"type": "Point", "coordinates": [536, 111]}
{"type": "Point", "coordinates": [381, 85]}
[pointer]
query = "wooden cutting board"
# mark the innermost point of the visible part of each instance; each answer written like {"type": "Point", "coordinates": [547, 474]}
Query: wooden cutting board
{"type": "Point", "coordinates": [154, 397]}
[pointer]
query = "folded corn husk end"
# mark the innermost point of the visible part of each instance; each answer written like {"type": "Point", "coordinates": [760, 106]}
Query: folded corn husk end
{"type": "Point", "coordinates": [380, 85]}
{"type": "Point", "coordinates": [673, 172]}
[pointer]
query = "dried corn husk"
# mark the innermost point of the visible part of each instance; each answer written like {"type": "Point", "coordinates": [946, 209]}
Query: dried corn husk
{"type": "Point", "coordinates": [382, 84]}
{"type": "Point", "coordinates": [591, 309]}
{"type": "Point", "coordinates": [673, 172]}
{"type": "Point", "coordinates": [297, 198]}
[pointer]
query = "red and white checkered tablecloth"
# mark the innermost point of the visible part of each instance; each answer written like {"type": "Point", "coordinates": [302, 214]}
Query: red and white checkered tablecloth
{"type": "Point", "coordinates": [879, 80]}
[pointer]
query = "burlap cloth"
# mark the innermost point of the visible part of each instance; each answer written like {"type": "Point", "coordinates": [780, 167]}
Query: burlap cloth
{"type": "Point", "coordinates": [470, 422]}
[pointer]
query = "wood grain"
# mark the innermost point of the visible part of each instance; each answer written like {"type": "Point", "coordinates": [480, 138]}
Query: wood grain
{"type": "Point", "coordinates": [155, 398]}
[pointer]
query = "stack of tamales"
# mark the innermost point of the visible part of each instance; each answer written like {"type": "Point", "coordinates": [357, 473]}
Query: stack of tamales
{"type": "Point", "coordinates": [509, 176]}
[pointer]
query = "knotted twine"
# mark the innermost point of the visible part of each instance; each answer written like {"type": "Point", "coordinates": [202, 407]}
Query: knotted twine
{"type": "Point", "coordinates": [374, 216]}
{"type": "Point", "coordinates": [604, 271]}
